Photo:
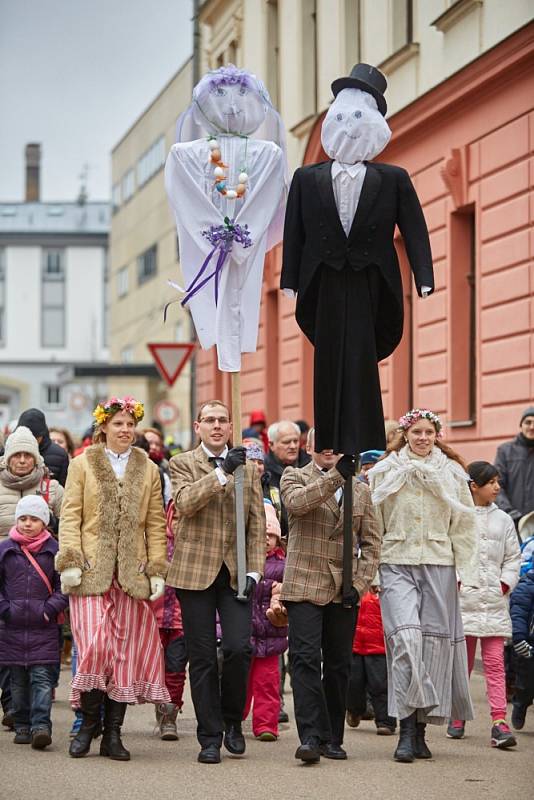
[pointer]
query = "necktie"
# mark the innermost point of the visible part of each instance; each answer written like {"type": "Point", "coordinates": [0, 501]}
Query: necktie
{"type": "Point", "coordinates": [216, 461]}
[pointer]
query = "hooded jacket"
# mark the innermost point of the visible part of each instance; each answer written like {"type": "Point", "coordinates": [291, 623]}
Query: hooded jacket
{"type": "Point", "coordinates": [522, 609]}
{"type": "Point", "coordinates": [268, 640]}
{"type": "Point", "coordinates": [26, 638]}
{"type": "Point", "coordinates": [55, 458]}
{"type": "Point", "coordinates": [515, 464]}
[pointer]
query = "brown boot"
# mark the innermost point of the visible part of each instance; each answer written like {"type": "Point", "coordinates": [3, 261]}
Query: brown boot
{"type": "Point", "coordinates": [167, 722]}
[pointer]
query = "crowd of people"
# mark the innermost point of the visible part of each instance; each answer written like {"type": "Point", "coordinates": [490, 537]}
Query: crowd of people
{"type": "Point", "coordinates": [128, 551]}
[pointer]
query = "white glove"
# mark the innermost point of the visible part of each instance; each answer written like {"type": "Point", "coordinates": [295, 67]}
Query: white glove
{"type": "Point", "coordinates": [157, 587]}
{"type": "Point", "coordinates": [70, 577]}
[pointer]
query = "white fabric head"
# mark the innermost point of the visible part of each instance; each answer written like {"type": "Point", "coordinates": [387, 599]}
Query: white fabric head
{"type": "Point", "coordinates": [229, 100]}
{"type": "Point", "coordinates": [354, 130]}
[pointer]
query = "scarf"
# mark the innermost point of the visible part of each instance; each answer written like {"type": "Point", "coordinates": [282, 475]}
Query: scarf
{"type": "Point", "coordinates": [31, 543]}
{"type": "Point", "coordinates": [436, 473]}
{"type": "Point", "coordinates": [34, 478]}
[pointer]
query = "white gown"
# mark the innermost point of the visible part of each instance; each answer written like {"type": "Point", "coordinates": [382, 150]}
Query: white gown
{"type": "Point", "coordinates": [232, 325]}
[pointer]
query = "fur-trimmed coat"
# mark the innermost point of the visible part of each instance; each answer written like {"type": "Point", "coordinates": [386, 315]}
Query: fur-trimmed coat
{"type": "Point", "coordinates": [112, 527]}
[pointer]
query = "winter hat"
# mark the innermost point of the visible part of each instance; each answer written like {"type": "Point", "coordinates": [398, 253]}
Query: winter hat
{"type": "Point", "coordinates": [528, 412]}
{"type": "Point", "coordinates": [33, 505]}
{"type": "Point", "coordinates": [22, 440]}
{"type": "Point", "coordinates": [257, 417]}
{"type": "Point", "coordinates": [255, 452]}
{"type": "Point", "coordinates": [370, 456]}
{"type": "Point", "coordinates": [34, 419]}
{"type": "Point", "coordinates": [273, 526]}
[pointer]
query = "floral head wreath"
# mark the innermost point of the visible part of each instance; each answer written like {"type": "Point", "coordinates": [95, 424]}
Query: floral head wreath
{"type": "Point", "coordinates": [411, 417]}
{"type": "Point", "coordinates": [107, 409]}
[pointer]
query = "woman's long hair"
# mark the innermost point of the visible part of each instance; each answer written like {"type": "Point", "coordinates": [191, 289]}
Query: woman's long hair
{"type": "Point", "coordinates": [399, 441]}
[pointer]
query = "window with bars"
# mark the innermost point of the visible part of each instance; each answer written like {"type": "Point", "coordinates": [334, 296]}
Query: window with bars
{"type": "Point", "coordinates": [147, 265]}
{"type": "Point", "coordinates": [52, 395]}
{"type": "Point", "coordinates": [53, 299]}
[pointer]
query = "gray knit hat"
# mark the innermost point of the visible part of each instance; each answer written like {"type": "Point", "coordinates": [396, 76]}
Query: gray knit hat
{"type": "Point", "coordinates": [22, 440]}
{"type": "Point", "coordinates": [33, 505]}
{"type": "Point", "coordinates": [528, 412]}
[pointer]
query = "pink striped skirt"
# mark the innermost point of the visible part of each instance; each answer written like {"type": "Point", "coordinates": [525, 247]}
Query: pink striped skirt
{"type": "Point", "coordinates": [119, 649]}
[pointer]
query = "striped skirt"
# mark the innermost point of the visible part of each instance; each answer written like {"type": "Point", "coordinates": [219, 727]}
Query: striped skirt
{"type": "Point", "coordinates": [425, 643]}
{"type": "Point", "coordinates": [119, 649]}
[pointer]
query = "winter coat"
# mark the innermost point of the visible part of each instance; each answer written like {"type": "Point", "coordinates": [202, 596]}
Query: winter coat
{"type": "Point", "coordinates": [522, 609]}
{"type": "Point", "coordinates": [10, 496]}
{"type": "Point", "coordinates": [485, 609]}
{"type": "Point", "coordinates": [268, 640]}
{"type": "Point", "coordinates": [419, 527]}
{"type": "Point", "coordinates": [55, 458]}
{"type": "Point", "coordinates": [515, 463]}
{"type": "Point", "coordinates": [109, 526]}
{"type": "Point", "coordinates": [369, 634]}
{"type": "Point", "coordinates": [274, 468]}
{"type": "Point", "coordinates": [26, 638]}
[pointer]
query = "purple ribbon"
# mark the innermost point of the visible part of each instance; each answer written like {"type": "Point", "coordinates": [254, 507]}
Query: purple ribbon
{"type": "Point", "coordinates": [195, 287]}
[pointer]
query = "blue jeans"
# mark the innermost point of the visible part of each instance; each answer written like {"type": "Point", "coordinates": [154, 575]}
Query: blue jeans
{"type": "Point", "coordinates": [5, 688]}
{"type": "Point", "coordinates": [31, 689]}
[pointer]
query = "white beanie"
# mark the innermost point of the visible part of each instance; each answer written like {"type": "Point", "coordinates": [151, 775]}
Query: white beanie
{"type": "Point", "coordinates": [33, 505]}
{"type": "Point", "coordinates": [23, 441]}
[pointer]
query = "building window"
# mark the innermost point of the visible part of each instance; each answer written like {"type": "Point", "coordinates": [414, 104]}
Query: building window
{"type": "Point", "coordinates": [462, 314]}
{"type": "Point", "coordinates": [273, 52]}
{"type": "Point", "coordinates": [52, 395]}
{"type": "Point", "coordinates": [147, 265]}
{"type": "Point", "coordinates": [128, 185]}
{"type": "Point", "coordinates": [401, 24]}
{"type": "Point", "coordinates": [115, 197]}
{"type": "Point", "coordinates": [122, 282]}
{"type": "Point", "coordinates": [2, 297]}
{"type": "Point", "coordinates": [53, 299]}
{"type": "Point", "coordinates": [352, 33]}
{"type": "Point", "coordinates": [309, 57]}
{"type": "Point", "coordinates": [127, 354]}
{"type": "Point", "coordinates": [151, 161]}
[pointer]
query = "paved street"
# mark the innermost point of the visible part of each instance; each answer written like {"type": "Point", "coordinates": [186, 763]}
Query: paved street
{"type": "Point", "coordinates": [465, 769]}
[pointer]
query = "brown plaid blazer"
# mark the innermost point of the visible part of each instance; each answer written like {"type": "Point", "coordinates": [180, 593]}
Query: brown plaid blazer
{"type": "Point", "coordinates": [205, 528]}
{"type": "Point", "coordinates": [314, 561]}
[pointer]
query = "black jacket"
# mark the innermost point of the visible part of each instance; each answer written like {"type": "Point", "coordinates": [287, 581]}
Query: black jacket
{"type": "Point", "coordinates": [55, 458]}
{"type": "Point", "coordinates": [313, 235]}
{"type": "Point", "coordinates": [515, 464]}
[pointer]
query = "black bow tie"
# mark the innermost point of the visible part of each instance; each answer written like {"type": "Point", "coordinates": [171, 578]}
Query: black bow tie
{"type": "Point", "coordinates": [217, 460]}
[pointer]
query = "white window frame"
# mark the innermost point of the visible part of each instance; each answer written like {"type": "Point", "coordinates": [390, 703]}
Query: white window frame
{"type": "Point", "coordinates": [49, 276]}
{"type": "Point", "coordinates": [123, 282]}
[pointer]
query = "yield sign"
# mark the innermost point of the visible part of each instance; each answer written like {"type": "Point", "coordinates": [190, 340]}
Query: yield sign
{"type": "Point", "coordinates": [170, 359]}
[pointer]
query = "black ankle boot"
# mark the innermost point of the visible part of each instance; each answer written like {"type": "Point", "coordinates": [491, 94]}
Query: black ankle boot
{"type": "Point", "coordinates": [90, 706]}
{"type": "Point", "coordinates": [420, 749]}
{"type": "Point", "coordinates": [405, 748]}
{"type": "Point", "coordinates": [111, 744]}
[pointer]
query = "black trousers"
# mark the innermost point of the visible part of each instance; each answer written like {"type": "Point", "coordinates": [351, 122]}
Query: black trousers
{"type": "Point", "coordinates": [368, 675]}
{"type": "Point", "coordinates": [218, 703]}
{"type": "Point", "coordinates": [320, 703]}
{"type": "Point", "coordinates": [524, 681]}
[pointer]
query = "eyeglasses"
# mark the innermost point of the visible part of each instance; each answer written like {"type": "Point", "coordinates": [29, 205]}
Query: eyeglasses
{"type": "Point", "coordinates": [213, 420]}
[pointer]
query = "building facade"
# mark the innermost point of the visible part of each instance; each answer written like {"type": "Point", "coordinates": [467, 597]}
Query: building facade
{"type": "Point", "coordinates": [53, 304]}
{"type": "Point", "coordinates": [461, 108]}
{"type": "Point", "coordinates": [143, 257]}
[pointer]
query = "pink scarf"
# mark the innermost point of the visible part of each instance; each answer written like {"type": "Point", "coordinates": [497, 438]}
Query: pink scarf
{"type": "Point", "coordinates": [31, 543]}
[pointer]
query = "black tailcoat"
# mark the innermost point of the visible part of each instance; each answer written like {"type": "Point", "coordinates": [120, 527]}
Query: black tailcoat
{"type": "Point", "coordinates": [349, 292]}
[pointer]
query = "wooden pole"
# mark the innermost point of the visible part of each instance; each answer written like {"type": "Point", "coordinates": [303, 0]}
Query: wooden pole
{"type": "Point", "coordinates": [348, 541]}
{"type": "Point", "coordinates": [239, 479]}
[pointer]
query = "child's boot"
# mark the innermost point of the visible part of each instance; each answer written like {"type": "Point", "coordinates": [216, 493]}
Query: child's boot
{"type": "Point", "coordinates": [167, 722]}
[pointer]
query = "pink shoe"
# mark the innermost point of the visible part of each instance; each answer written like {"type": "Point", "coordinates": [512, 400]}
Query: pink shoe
{"type": "Point", "coordinates": [456, 729]}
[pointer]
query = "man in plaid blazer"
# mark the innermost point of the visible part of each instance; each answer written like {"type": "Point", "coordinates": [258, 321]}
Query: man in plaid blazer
{"type": "Point", "coordinates": [204, 573]}
{"type": "Point", "coordinates": [311, 592]}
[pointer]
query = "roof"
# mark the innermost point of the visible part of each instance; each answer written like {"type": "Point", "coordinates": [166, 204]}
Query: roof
{"type": "Point", "coordinates": [55, 218]}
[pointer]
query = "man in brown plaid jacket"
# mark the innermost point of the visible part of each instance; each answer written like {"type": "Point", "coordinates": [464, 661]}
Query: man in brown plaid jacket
{"type": "Point", "coordinates": [312, 594]}
{"type": "Point", "coordinates": [204, 573]}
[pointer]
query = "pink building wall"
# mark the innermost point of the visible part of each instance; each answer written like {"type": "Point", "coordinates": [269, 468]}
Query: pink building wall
{"type": "Point", "coordinates": [469, 147]}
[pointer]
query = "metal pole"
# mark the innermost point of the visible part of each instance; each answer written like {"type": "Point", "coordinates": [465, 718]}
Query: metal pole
{"type": "Point", "coordinates": [348, 540]}
{"type": "Point", "coordinates": [239, 479]}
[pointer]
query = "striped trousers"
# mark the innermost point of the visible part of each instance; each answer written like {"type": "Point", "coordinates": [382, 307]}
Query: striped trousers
{"type": "Point", "coordinates": [119, 649]}
{"type": "Point", "coordinates": [425, 643]}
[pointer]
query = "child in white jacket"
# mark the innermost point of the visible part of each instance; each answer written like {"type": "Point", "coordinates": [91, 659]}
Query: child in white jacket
{"type": "Point", "coordinates": [485, 610]}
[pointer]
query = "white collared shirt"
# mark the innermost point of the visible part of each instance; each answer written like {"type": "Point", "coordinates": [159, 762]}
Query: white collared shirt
{"type": "Point", "coordinates": [118, 461]}
{"type": "Point", "coordinates": [347, 182]}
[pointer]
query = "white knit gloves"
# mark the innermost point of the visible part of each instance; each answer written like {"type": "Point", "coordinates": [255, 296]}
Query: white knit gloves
{"type": "Point", "coordinates": [157, 587]}
{"type": "Point", "coordinates": [524, 649]}
{"type": "Point", "coordinates": [70, 577]}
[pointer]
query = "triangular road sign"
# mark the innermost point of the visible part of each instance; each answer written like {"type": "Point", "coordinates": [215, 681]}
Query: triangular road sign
{"type": "Point", "coordinates": [171, 358]}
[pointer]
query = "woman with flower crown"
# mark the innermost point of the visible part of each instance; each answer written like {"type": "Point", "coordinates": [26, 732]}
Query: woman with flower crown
{"type": "Point", "coordinates": [426, 513]}
{"type": "Point", "coordinates": [112, 560]}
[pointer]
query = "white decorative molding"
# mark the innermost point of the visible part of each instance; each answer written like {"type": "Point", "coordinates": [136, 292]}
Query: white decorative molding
{"type": "Point", "coordinates": [455, 13]}
{"type": "Point", "coordinates": [400, 57]}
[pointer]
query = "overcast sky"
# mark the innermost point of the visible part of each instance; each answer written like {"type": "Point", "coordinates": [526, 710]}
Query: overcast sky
{"type": "Point", "coordinates": [74, 75]}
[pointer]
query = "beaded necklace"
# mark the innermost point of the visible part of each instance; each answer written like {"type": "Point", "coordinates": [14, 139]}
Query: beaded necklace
{"type": "Point", "coordinates": [232, 193]}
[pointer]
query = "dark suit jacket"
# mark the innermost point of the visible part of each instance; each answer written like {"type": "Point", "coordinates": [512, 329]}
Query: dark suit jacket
{"type": "Point", "coordinates": [314, 236]}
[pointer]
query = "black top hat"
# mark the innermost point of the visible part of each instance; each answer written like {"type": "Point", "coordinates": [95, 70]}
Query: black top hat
{"type": "Point", "coordinates": [368, 79]}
